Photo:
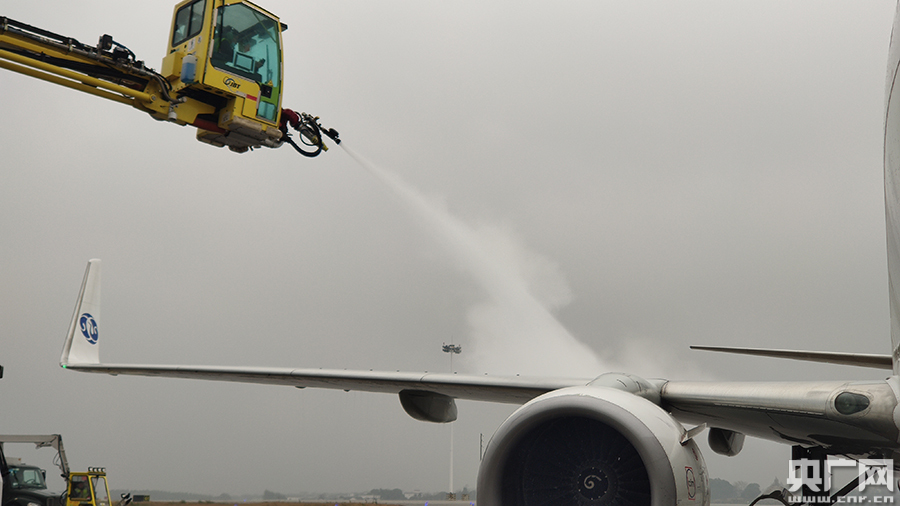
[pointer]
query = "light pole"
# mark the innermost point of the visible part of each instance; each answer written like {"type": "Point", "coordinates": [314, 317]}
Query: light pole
{"type": "Point", "coordinates": [452, 349]}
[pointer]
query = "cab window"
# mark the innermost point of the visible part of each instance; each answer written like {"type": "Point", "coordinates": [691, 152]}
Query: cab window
{"type": "Point", "coordinates": [188, 21]}
{"type": "Point", "coordinates": [246, 44]}
{"type": "Point", "coordinates": [100, 489]}
{"type": "Point", "coordinates": [79, 489]}
{"type": "Point", "coordinates": [27, 477]}
{"type": "Point", "coordinates": [99, 483]}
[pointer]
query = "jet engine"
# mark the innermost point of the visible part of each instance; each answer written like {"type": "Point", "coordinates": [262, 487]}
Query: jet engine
{"type": "Point", "coordinates": [592, 445]}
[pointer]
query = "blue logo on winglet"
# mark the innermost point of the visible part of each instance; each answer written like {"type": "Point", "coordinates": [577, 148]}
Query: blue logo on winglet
{"type": "Point", "coordinates": [89, 328]}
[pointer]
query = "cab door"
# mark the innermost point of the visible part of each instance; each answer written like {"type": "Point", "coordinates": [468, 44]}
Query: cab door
{"type": "Point", "coordinates": [101, 490]}
{"type": "Point", "coordinates": [245, 59]}
{"type": "Point", "coordinates": [79, 493]}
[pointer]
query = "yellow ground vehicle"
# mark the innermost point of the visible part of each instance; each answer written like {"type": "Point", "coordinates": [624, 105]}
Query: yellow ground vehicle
{"type": "Point", "coordinates": [25, 485]}
{"type": "Point", "coordinates": [89, 489]}
{"type": "Point", "coordinates": [222, 73]}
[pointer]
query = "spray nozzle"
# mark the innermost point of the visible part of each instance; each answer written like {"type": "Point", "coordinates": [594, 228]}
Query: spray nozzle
{"type": "Point", "coordinates": [333, 134]}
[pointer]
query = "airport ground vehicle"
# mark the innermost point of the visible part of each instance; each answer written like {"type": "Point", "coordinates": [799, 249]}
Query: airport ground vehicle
{"type": "Point", "coordinates": [90, 489]}
{"type": "Point", "coordinates": [222, 74]}
{"type": "Point", "coordinates": [26, 485]}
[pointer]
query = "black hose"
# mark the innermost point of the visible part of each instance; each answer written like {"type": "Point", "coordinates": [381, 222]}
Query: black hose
{"type": "Point", "coordinates": [309, 154]}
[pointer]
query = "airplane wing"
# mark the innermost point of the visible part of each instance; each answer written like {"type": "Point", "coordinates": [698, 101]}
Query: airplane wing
{"type": "Point", "coordinates": [748, 408]}
{"type": "Point", "coordinates": [81, 353]}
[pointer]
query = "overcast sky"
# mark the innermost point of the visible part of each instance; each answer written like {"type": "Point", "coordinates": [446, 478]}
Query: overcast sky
{"type": "Point", "coordinates": [658, 173]}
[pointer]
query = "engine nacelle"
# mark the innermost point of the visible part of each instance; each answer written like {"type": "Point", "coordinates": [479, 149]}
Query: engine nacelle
{"type": "Point", "coordinates": [592, 445]}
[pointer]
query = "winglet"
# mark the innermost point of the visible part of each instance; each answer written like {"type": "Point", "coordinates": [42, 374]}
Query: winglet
{"type": "Point", "coordinates": [81, 342]}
